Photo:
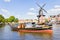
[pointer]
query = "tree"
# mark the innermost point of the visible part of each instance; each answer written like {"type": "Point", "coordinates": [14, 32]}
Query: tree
{"type": "Point", "coordinates": [16, 20]}
{"type": "Point", "coordinates": [2, 19]}
{"type": "Point", "coordinates": [12, 19]}
{"type": "Point", "coordinates": [6, 20]}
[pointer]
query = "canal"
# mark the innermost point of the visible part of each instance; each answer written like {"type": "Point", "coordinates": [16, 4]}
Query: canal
{"type": "Point", "coordinates": [7, 34]}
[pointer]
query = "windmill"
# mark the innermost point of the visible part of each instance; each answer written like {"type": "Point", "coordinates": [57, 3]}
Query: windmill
{"type": "Point", "coordinates": [41, 11]}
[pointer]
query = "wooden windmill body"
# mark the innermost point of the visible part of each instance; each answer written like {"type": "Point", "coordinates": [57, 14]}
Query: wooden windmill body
{"type": "Point", "coordinates": [41, 18]}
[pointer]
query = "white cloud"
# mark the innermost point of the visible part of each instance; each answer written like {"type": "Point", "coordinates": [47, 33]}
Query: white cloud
{"type": "Point", "coordinates": [57, 6]}
{"type": "Point", "coordinates": [31, 13]}
{"type": "Point", "coordinates": [6, 13]}
{"type": "Point", "coordinates": [32, 9]}
{"type": "Point", "coordinates": [7, 0]}
{"type": "Point", "coordinates": [4, 10]}
{"type": "Point", "coordinates": [55, 10]}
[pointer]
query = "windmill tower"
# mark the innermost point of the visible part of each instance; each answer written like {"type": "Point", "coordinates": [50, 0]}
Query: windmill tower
{"type": "Point", "coordinates": [40, 12]}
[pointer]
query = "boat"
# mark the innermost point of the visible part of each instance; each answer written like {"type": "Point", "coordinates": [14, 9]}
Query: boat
{"type": "Point", "coordinates": [32, 27]}
{"type": "Point", "coordinates": [57, 22]}
{"type": "Point", "coordinates": [37, 28]}
{"type": "Point", "coordinates": [45, 30]}
{"type": "Point", "coordinates": [13, 26]}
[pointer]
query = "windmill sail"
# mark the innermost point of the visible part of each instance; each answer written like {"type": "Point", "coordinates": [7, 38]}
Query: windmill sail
{"type": "Point", "coordinates": [41, 11]}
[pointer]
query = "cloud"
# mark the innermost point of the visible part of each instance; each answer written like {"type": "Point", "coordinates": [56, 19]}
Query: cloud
{"type": "Point", "coordinates": [31, 9]}
{"type": "Point", "coordinates": [55, 10]}
{"type": "Point", "coordinates": [57, 6]}
{"type": "Point", "coordinates": [30, 13]}
{"type": "Point", "coordinates": [7, 0]}
{"type": "Point", "coordinates": [4, 10]}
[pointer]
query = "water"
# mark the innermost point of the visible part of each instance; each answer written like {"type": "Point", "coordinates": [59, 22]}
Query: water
{"type": "Point", "coordinates": [56, 32]}
{"type": "Point", "coordinates": [7, 34]}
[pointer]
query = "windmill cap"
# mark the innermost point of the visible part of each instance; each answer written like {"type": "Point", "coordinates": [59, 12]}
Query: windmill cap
{"type": "Point", "coordinates": [40, 15]}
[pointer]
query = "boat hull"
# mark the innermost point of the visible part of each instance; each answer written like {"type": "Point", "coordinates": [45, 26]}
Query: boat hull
{"type": "Point", "coordinates": [37, 31]}
{"type": "Point", "coordinates": [45, 30]}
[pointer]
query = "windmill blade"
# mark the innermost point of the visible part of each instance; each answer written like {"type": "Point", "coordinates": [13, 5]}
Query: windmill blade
{"type": "Point", "coordinates": [45, 11]}
{"type": "Point", "coordinates": [43, 5]}
{"type": "Point", "coordinates": [41, 8]}
{"type": "Point", "coordinates": [38, 5]}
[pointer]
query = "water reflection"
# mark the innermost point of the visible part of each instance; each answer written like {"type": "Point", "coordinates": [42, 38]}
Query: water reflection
{"type": "Point", "coordinates": [56, 32]}
{"type": "Point", "coordinates": [35, 36]}
{"type": "Point", "coordinates": [7, 34]}
{"type": "Point", "coordinates": [2, 25]}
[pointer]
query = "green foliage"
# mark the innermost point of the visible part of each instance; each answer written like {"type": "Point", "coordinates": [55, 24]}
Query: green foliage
{"type": "Point", "coordinates": [16, 20]}
{"type": "Point", "coordinates": [2, 19]}
{"type": "Point", "coordinates": [6, 20]}
{"type": "Point", "coordinates": [12, 19]}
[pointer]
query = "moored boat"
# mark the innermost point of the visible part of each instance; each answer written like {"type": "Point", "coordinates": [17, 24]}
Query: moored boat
{"type": "Point", "coordinates": [13, 26]}
{"type": "Point", "coordinates": [37, 28]}
{"type": "Point", "coordinates": [45, 30]}
{"type": "Point", "coordinates": [37, 31]}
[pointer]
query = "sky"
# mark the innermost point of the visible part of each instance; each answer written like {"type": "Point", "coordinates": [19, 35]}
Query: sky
{"type": "Point", "coordinates": [28, 9]}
